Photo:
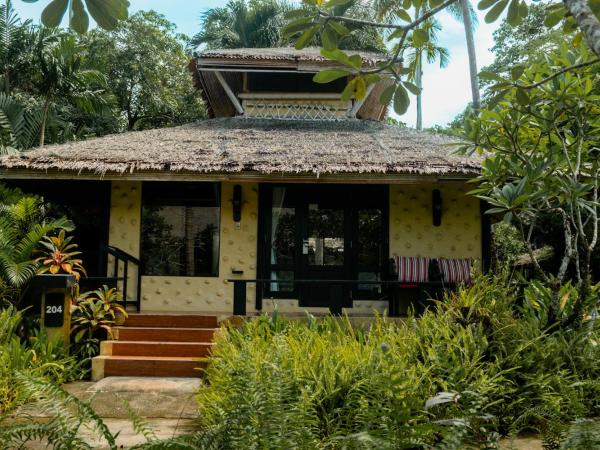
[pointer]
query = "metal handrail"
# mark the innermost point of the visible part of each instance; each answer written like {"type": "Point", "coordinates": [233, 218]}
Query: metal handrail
{"type": "Point", "coordinates": [240, 288]}
{"type": "Point", "coordinates": [122, 256]}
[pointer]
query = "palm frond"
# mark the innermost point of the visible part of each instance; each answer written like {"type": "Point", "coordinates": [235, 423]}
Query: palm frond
{"type": "Point", "coordinates": [456, 11]}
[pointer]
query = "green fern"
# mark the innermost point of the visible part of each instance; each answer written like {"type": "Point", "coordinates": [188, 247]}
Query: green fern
{"type": "Point", "coordinates": [69, 415]}
{"type": "Point", "coordinates": [582, 435]}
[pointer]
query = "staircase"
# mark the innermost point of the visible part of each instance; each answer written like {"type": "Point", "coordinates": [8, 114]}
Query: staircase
{"type": "Point", "coordinates": [157, 345]}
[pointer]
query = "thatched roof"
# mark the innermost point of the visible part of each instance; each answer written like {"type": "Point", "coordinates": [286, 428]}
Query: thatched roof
{"type": "Point", "coordinates": [250, 146]}
{"type": "Point", "coordinates": [277, 56]}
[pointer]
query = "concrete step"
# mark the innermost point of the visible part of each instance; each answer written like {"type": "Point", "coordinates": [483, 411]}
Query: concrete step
{"type": "Point", "coordinates": [171, 321]}
{"type": "Point", "coordinates": [163, 334]}
{"type": "Point", "coordinates": [145, 348]}
{"type": "Point", "coordinates": [147, 366]}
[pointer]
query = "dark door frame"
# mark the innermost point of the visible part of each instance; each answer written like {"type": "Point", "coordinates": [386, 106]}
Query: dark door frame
{"type": "Point", "coordinates": [352, 198]}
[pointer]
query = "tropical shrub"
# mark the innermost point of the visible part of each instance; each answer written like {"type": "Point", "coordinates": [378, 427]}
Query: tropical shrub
{"type": "Point", "coordinates": [93, 316]}
{"type": "Point", "coordinates": [38, 357]}
{"type": "Point", "coordinates": [23, 225]}
{"type": "Point", "coordinates": [507, 246]}
{"type": "Point", "coordinates": [541, 142]}
{"type": "Point", "coordinates": [324, 383]}
{"type": "Point", "coordinates": [59, 256]}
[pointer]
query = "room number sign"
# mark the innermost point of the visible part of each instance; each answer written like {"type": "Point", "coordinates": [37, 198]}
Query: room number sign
{"type": "Point", "coordinates": [54, 314]}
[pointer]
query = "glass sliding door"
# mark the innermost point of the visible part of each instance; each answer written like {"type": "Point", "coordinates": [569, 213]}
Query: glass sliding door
{"type": "Point", "coordinates": [369, 250]}
{"type": "Point", "coordinates": [323, 225]}
{"type": "Point", "coordinates": [326, 237]}
{"type": "Point", "coordinates": [282, 249]}
{"type": "Point", "coordinates": [323, 233]}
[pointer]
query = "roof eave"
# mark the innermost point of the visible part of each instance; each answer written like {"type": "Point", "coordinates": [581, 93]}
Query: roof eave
{"type": "Point", "coordinates": [276, 177]}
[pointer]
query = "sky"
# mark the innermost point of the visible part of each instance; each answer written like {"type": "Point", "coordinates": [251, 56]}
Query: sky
{"type": "Point", "coordinates": [446, 91]}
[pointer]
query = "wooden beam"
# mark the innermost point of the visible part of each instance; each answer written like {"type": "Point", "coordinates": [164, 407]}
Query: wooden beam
{"type": "Point", "coordinates": [236, 103]}
{"type": "Point", "coordinates": [291, 95]}
{"type": "Point", "coordinates": [352, 113]}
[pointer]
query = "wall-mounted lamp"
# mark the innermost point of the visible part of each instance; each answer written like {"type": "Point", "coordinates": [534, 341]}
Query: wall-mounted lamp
{"type": "Point", "coordinates": [237, 203]}
{"type": "Point", "coordinates": [437, 207]}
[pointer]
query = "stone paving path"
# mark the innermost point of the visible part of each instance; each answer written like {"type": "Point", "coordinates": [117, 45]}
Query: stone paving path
{"type": "Point", "coordinates": [167, 406]}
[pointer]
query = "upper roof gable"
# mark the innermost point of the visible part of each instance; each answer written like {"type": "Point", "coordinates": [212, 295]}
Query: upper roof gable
{"type": "Point", "coordinates": [221, 77]}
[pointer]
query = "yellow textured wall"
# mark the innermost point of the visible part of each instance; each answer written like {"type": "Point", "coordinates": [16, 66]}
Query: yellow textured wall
{"type": "Point", "coordinates": [124, 228]}
{"type": "Point", "coordinates": [411, 229]}
{"type": "Point", "coordinates": [411, 234]}
{"type": "Point", "coordinates": [237, 252]}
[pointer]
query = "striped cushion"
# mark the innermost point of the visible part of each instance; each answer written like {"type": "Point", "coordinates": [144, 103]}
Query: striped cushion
{"type": "Point", "coordinates": [456, 270]}
{"type": "Point", "coordinates": [412, 269]}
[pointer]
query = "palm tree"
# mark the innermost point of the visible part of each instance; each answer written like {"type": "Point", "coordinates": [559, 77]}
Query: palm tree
{"type": "Point", "coordinates": [15, 44]}
{"type": "Point", "coordinates": [61, 75]}
{"type": "Point", "coordinates": [19, 127]}
{"type": "Point", "coordinates": [258, 23]}
{"type": "Point", "coordinates": [239, 24]}
{"type": "Point", "coordinates": [463, 11]}
{"type": "Point", "coordinates": [429, 52]}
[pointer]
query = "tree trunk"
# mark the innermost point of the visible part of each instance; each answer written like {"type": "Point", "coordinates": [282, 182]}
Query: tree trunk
{"type": "Point", "coordinates": [419, 83]}
{"type": "Point", "coordinates": [44, 120]}
{"type": "Point", "coordinates": [7, 82]}
{"type": "Point", "coordinates": [464, 4]}
{"type": "Point", "coordinates": [587, 22]}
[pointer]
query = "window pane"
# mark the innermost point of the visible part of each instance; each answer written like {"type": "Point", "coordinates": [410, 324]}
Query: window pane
{"type": "Point", "coordinates": [180, 240]}
{"type": "Point", "coordinates": [369, 237]}
{"type": "Point", "coordinates": [280, 276]}
{"type": "Point", "coordinates": [283, 226]}
{"type": "Point", "coordinates": [325, 236]}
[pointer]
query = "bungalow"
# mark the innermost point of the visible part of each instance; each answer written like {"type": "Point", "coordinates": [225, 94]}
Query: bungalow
{"type": "Point", "coordinates": [286, 197]}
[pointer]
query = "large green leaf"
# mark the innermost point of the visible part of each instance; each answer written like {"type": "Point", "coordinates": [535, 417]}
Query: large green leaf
{"type": "Point", "coordinates": [554, 16]}
{"type": "Point", "coordinates": [306, 37]}
{"type": "Point", "coordinates": [53, 13]}
{"type": "Point", "coordinates": [106, 13]}
{"type": "Point", "coordinates": [403, 15]}
{"type": "Point", "coordinates": [339, 28]}
{"type": "Point", "coordinates": [514, 13]}
{"type": "Point", "coordinates": [79, 20]}
{"type": "Point", "coordinates": [329, 38]}
{"type": "Point", "coordinates": [333, 3]}
{"type": "Point", "coordinates": [492, 76]}
{"type": "Point", "coordinates": [485, 4]}
{"type": "Point", "coordinates": [412, 87]}
{"type": "Point", "coordinates": [326, 76]}
{"type": "Point", "coordinates": [419, 37]}
{"type": "Point", "coordinates": [495, 12]}
{"type": "Point", "coordinates": [341, 57]}
{"type": "Point", "coordinates": [297, 25]}
{"type": "Point", "coordinates": [387, 94]}
{"type": "Point", "coordinates": [401, 100]}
